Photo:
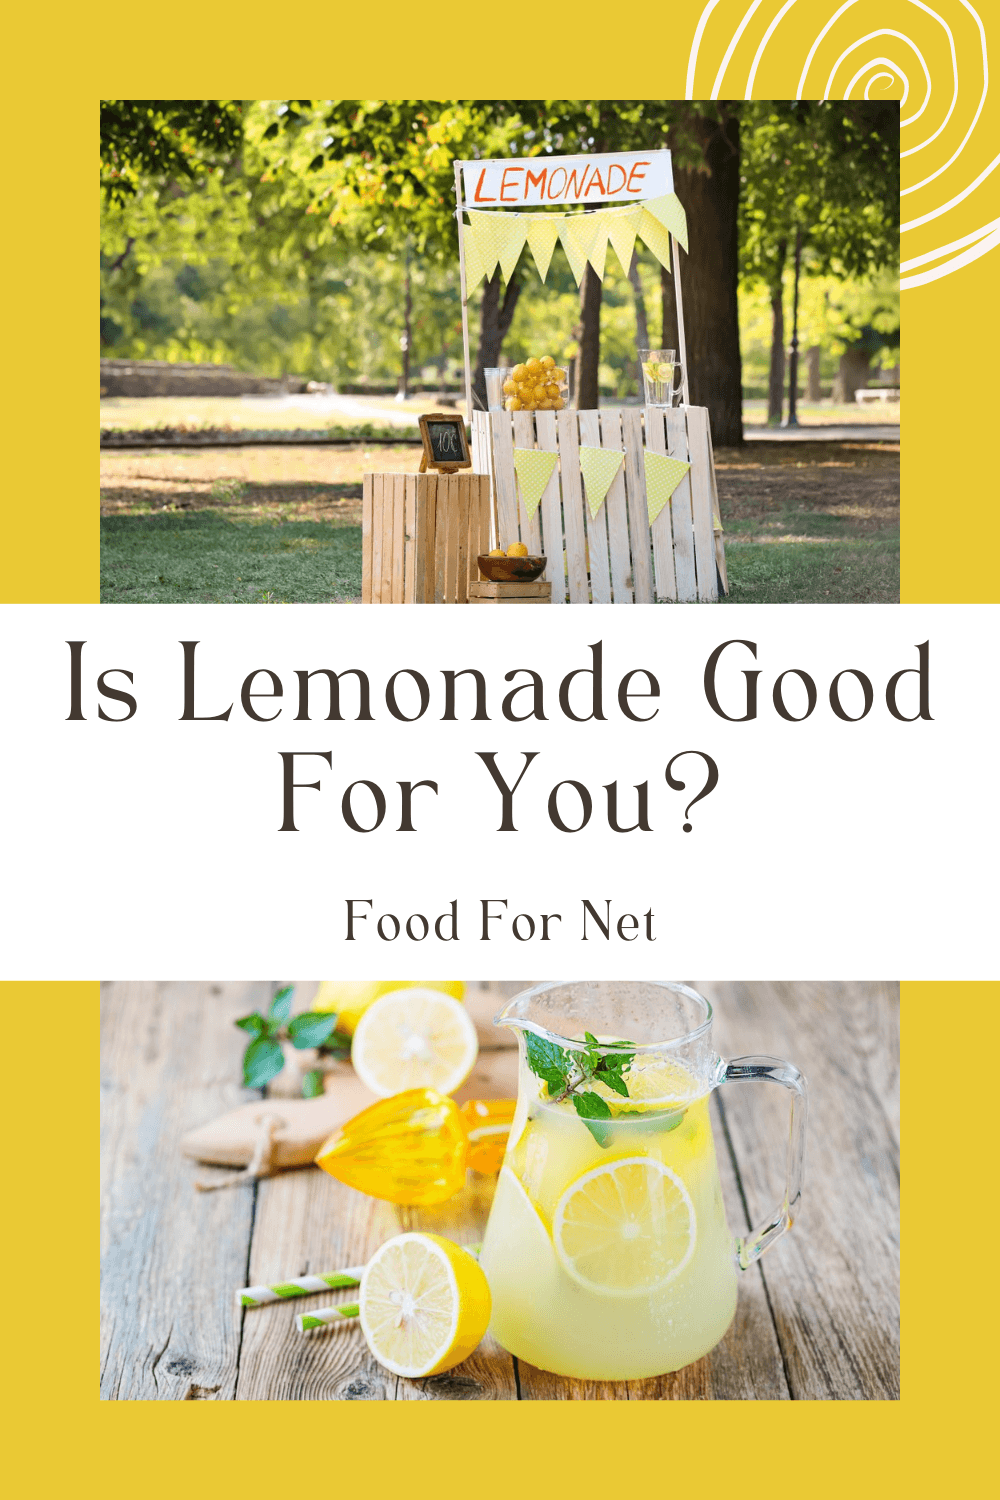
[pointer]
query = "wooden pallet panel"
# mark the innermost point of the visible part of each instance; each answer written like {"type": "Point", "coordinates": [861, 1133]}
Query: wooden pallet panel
{"type": "Point", "coordinates": [700, 449]}
{"type": "Point", "coordinates": [550, 510]}
{"type": "Point", "coordinates": [504, 478]}
{"type": "Point", "coordinates": [638, 515]}
{"type": "Point", "coordinates": [530, 529]}
{"type": "Point", "coordinates": [367, 485]}
{"type": "Point", "coordinates": [680, 510]}
{"type": "Point", "coordinates": [619, 551]}
{"type": "Point", "coordinates": [661, 530]}
{"type": "Point", "coordinates": [398, 535]}
{"type": "Point", "coordinates": [597, 527]}
{"type": "Point", "coordinates": [378, 533]}
{"type": "Point", "coordinates": [574, 534]}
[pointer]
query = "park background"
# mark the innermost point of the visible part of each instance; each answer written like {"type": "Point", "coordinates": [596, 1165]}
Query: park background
{"type": "Point", "coordinates": [285, 269]}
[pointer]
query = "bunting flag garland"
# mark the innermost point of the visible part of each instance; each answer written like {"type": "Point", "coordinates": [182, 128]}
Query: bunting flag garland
{"type": "Point", "coordinates": [533, 467]}
{"type": "Point", "coordinates": [669, 212]}
{"type": "Point", "coordinates": [493, 236]}
{"type": "Point", "coordinates": [599, 467]}
{"type": "Point", "coordinates": [663, 475]}
{"type": "Point", "coordinates": [541, 232]}
{"type": "Point", "coordinates": [622, 230]}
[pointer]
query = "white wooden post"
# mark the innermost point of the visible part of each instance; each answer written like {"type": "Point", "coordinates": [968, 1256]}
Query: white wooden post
{"type": "Point", "coordinates": [676, 258]}
{"type": "Point", "coordinates": [460, 217]}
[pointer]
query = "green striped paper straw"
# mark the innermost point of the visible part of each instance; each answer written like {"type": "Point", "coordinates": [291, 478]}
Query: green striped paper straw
{"type": "Point", "coordinates": [321, 1316]}
{"type": "Point", "coordinates": [298, 1286]}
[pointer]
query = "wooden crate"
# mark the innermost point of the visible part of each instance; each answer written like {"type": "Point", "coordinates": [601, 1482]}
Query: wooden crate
{"type": "Point", "coordinates": [616, 558]}
{"type": "Point", "coordinates": [487, 592]}
{"type": "Point", "coordinates": [421, 535]}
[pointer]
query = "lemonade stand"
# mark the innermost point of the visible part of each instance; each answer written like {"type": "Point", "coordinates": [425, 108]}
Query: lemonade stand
{"type": "Point", "coordinates": [613, 506]}
{"type": "Point", "coordinates": [622, 503]}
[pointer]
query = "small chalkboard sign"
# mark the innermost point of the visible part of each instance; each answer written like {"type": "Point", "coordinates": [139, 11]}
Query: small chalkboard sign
{"type": "Point", "coordinates": [445, 444]}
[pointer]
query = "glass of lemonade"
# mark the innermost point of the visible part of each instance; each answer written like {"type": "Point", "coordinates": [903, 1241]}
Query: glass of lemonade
{"type": "Point", "coordinates": [659, 371]}
{"type": "Point", "coordinates": [607, 1248]}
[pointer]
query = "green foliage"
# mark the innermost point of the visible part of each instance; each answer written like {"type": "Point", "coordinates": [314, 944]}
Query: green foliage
{"type": "Point", "coordinates": [564, 1072]}
{"type": "Point", "coordinates": [264, 1059]}
{"type": "Point", "coordinates": [167, 139]}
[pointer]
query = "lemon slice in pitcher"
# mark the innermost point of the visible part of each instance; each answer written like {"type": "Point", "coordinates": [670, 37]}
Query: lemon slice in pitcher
{"type": "Point", "coordinates": [424, 1305]}
{"type": "Point", "coordinates": [626, 1228]}
{"type": "Point", "coordinates": [414, 1039]}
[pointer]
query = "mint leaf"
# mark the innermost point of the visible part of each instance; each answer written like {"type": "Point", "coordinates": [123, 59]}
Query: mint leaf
{"type": "Point", "coordinates": [312, 1084]}
{"type": "Point", "coordinates": [614, 1080]}
{"type": "Point", "coordinates": [281, 1005]}
{"type": "Point", "coordinates": [668, 1121]}
{"type": "Point", "coordinates": [255, 1023]}
{"type": "Point", "coordinates": [548, 1062]}
{"type": "Point", "coordinates": [595, 1114]}
{"type": "Point", "coordinates": [311, 1028]}
{"type": "Point", "coordinates": [262, 1061]}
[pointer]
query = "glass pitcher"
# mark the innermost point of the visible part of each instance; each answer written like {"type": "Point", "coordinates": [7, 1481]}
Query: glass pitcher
{"type": "Point", "coordinates": [607, 1249]}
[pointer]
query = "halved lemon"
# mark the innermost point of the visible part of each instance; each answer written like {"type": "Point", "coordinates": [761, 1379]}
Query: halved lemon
{"type": "Point", "coordinates": [350, 998]}
{"type": "Point", "coordinates": [414, 1039]}
{"type": "Point", "coordinates": [424, 1305]}
{"type": "Point", "coordinates": [625, 1228]}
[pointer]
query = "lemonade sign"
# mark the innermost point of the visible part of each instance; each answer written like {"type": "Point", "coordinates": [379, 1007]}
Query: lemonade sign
{"type": "Point", "coordinates": [602, 177]}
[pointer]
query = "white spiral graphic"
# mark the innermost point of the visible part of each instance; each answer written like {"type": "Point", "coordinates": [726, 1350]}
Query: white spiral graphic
{"type": "Point", "coordinates": [880, 63]}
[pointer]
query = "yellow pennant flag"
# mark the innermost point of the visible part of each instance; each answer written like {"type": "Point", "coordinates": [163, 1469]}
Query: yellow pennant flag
{"type": "Point", "coordinates": [663, 475]}
{"type": "Point", "coordinates": [599, 467]}
{"type": "Point", "coordinates": [623, 225]}
{"type": "Point", "coordinates": [655, 237]}
{"type": "Point", "coordinates": [510, 232]}
{"type": "Point", "coordinates": [534, 470]}
{"type": "Point", "coordinates": [474, 268]}
{"type": "Point", "coordinates": [589, 239]}
{"type": "Point", "coordinates": [541, 232]}
{"type": "Point", "coordinates": [670, 213]}
{"type": "Point", "coordinates": [482, 231]}
{"type": "Point", "coordinates": [576, 253]}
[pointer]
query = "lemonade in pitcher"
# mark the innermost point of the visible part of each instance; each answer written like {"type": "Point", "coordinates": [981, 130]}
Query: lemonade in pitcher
{"type": "Point", "coordinates": [607, 1249]}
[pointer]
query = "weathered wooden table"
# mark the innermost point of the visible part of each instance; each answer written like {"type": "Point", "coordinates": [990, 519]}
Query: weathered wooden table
{"type": "Point", "coordinates": [817, 1318]}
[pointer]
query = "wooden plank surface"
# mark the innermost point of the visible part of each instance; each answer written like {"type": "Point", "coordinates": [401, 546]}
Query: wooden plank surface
{"type": "Point", "coordinates": [818, 1316]}
{"type": "Point", "coordinates": [550, 510]}
{"type": "Point", "coordinates": [680, 510]}
{"type": "Point", "coordinates": [367, 484]}
{"type": "Point", "coordinates": [573, 503]}
{"type": "Point", "coordinates": [833, 1280]}
{"type": "Point", "coordinates": [410, 540]}
{"type": "Point", "coordinates": [378, 501]}
{"type": "Point", "coordinates": [168, 1253]}
{"type": "Point", "coordinates": [614, 505]}
{"type": "Point", "coordinates": [597, 526]}
{"type": "Point", "coordinates": [398, 535]}
{"type": "Point", "coordinates": [662, 528]}
{"type": "Point", "coordinates": [531, 531]}
{"type": "Point", "coordinates": [638, 514]}
{"type": "Point", "coordinates": [504, 478]}
{"type": "Point", "coordinates": [700, 448]}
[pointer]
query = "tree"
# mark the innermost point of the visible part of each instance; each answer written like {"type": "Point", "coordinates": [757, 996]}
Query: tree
{"type": "Point", "coordinates": [824, 176]}
{"type": "Point", "coordinates": [168, 139]}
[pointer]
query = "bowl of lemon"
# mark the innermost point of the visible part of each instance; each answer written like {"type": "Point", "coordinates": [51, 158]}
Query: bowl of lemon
{"type": "Point", "coordinates": [539, 384]}
{"type": "Point", "coordinates": [512, 566]}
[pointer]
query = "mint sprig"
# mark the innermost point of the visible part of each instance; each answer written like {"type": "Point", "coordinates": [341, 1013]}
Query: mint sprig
{"type": "Point", "coordinates": [566, 1073]}
{"type": "Point", "coordinates": [264, 1058]}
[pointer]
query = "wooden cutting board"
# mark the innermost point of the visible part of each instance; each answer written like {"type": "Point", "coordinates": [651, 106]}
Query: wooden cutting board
{"type": "Point", "coordinates": [302, 1125]}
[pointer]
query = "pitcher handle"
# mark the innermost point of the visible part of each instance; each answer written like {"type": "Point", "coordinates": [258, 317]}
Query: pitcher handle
{"type": "Point", "coordinates": [751, 1246]}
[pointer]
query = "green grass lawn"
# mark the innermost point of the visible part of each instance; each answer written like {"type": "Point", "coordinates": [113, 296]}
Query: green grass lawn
{"type": "Point", "coordinates": [207, 558]}
{"type": "Point", "coordinates": [816, 558]}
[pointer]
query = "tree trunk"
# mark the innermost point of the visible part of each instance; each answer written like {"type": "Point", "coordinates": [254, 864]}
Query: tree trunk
{"type": "Point", "coordinates": [494, 324]}
{"type": "Point", "coordinates": [641, 325]}
{"type": "Point", "coordinates": [852, 375]}
{"type": "Point", "coordinates": [709, 277]}
{"type": "Point", "coordinates": [776, 374]}
{"type": "Point", "coordinates": [588, 393]}
{"type": "Point", "coordinates": [812, 373]}
{"type": "Point", "coordinates": [404, 343]}
{"type": "Point", "coordinates": [668, 305]}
